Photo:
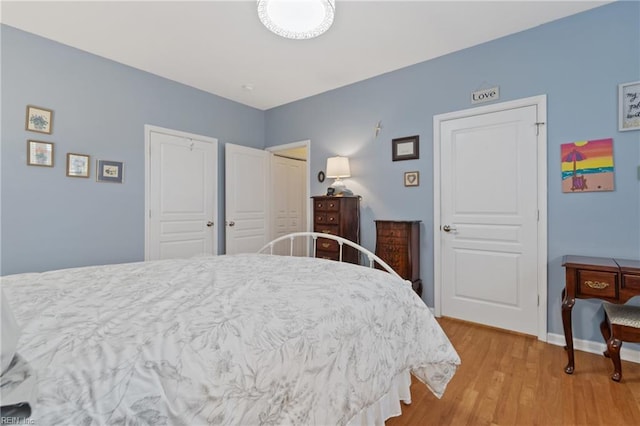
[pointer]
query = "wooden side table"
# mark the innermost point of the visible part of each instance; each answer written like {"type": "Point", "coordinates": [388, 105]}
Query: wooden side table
{"type": "Point", "coordinates": [604, 278]}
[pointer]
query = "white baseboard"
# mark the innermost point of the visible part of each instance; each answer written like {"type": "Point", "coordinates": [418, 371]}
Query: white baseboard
{"type": "Point", "coordinates": [593, 347]}
{"type": "Point", "coordinates": [626, 354]}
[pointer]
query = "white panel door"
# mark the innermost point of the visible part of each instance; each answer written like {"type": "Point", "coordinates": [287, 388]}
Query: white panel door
{"type": "Point", "coordinates": [247, 184]}
{"type": "Point", "coordinates": [181, 196]}
{"type": "Point", "coordinates": [489, 219]}
{"type": "Point", "coordinates": [288, 211]}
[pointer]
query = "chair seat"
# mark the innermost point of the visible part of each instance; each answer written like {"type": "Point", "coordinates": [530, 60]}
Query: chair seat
{"type": "Point", "coordinates": [621, 323]}
{"type": "Point", "coordinates": [625, 315]}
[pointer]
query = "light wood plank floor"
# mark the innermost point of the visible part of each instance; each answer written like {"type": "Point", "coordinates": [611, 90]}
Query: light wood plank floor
{"type": "Point", "coordinates": [511, 379]}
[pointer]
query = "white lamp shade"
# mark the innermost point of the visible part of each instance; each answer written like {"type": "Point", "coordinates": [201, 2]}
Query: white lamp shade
{"type": "Point", "coordinates": [297, 19]}
{"type": "Point", "coordinates": [338, 167]}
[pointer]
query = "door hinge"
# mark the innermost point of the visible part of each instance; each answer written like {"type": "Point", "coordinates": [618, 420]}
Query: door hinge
{"type": "Point", "coordinates": [538, 300]}
{"type": "Point", "coordinates": [149, 214]}
{"type": "Point", "coordinates": [538, 124]}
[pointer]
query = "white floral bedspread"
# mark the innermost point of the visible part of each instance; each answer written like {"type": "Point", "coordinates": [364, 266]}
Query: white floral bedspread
{"type": "Point", "coordinates": [226, 340]}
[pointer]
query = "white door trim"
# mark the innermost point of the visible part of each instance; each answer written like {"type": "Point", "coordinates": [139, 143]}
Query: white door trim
{"type": "Point", "coordinates": [299, 144]}
{"type": "Point", "coordinates": [148, 129]}
{"type": "Point", "coordinates": [541, 103]}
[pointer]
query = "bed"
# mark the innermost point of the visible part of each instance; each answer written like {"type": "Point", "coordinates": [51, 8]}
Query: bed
{"type": "Point", "coordinates": [248, 339]}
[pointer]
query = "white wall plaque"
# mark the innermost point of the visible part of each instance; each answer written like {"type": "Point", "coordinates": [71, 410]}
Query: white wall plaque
{"type": "Point", "coordinates": [485, 95]}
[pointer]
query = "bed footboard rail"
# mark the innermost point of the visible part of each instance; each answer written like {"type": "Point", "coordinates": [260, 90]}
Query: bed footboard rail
{"type": "Point", "coordinates": [371, 257]}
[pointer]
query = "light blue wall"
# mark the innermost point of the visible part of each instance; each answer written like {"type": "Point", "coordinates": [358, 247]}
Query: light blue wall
{"type": "Point", "coordinates": [50, 221]}
{"type": "Point", "coordinates": [577, 62]}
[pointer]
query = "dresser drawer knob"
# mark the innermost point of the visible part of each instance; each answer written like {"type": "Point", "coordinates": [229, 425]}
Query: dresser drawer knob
{"type": "Point", "coordinates": [598, 285]}
{"type": "Point", "coordinates": [331, 205]}
{"type": "Point", "coordinates": [331, 219]}
{"type": "Point", "coordinates": [326, 245]}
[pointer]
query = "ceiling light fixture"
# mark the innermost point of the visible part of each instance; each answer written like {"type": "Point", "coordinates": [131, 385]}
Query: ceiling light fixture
{"type": "Point", "coordinates": [297, 19]}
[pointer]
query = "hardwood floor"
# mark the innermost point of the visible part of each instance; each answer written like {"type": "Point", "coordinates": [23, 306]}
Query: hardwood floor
{"type": "Point", "coordinates": [512, 379]}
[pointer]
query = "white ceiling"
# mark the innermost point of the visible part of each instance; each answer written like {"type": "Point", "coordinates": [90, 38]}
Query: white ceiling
{"type": "Point", "coordinates": [221, 47]}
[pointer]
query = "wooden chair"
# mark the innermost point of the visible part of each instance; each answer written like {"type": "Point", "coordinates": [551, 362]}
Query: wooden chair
{"type": "Point", "coordinates": [621, 324]}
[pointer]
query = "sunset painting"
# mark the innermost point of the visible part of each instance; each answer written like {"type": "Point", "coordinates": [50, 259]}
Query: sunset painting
{"type": "Point", "coordinates": [587, 166]}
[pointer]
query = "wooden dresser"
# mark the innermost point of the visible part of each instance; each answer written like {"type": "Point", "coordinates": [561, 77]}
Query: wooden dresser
{"type": "Point", "coordinates": [398, 244]}
{"type": "Point", "coordinates": [337, 216]}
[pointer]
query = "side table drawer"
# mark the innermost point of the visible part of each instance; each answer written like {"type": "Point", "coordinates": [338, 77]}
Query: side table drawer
{"type": "Point", "coordinates": [631, 282]}
{"type": "Point", "coordinates": [597, 284]}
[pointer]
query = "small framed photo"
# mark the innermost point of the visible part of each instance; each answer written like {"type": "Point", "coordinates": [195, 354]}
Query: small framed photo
{"type": "Point", "coordinates": [411, 178]}
{"type": "Point", "coordinates": [77, 165]}
{"type": "Point", "coordinates": [40, 153]}
{"type": "Point", "coordinates": [109, 171]}
{"type": "Point", "coordinates": [629, 106]}
{"type": "Point", "coordinates": [39, 119]}
{"type": "Point", "coordinates": [405, 148]}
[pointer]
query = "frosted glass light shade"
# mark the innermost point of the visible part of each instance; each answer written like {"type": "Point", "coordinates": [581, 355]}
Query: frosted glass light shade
{"type": "Point", "coordinates": [338, 167]}
{"type": "Point", "coordinates": [297, 19]}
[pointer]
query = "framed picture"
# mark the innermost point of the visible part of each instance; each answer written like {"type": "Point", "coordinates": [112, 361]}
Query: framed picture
{"type": "Point", "coordinates": [629, 106]}
{"type": "Point", "coordinates": [109, 171]}
{"type": "Point", "coordinates": [405, 148]}
{"type": "Point", "coordinates": [40, 153]}
{"type": "Point", "coordinates": [39, 119]}
{"type": "Point", "coordinates": [411, 178]}
{"type": "Point", "coordinates": [77, 165]}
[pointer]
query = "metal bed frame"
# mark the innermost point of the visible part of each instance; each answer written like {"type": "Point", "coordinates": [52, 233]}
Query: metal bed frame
{"type": "Point", "coordinates": [372, 258]}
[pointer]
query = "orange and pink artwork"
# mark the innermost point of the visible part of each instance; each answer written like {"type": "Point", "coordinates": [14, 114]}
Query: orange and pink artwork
{"type": "Point", "coordinates": [587, 166]}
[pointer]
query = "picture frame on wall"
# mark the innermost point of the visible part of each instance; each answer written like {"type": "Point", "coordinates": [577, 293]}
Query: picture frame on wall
{"type": "Point", "coordinates": [109, 171]}
{"type": "Point", "coordinates": [39, 119]}
{"type": "Point", "coordinates": [412, 179]}
{"type": "Point", "coordinates": [78, 165]}
{"type": "Point", "coordinates": [406, 148]}
{"type": "Point", "coordinates": [629, 106]}
{"type": "Point", "coordinates": [39, 153]}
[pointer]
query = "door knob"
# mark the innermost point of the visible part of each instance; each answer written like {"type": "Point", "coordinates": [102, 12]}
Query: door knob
{"type": "Point", "coordinates": [232, 223]}
{"type": "Point", "coordinates": [209, 224]}
{"type": "Point", "coordinates": [447, 228]}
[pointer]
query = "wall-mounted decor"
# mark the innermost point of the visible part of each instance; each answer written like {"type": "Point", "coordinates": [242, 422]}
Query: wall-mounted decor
{"type": "Point", "coordinates": [406, 148]}
{"type": "Point", "coordinates": [411, 179]}
{"type": "Point", "coordinates": [485, 95]}
{"type": "Point", "coordinates": [40, 153]}
{"type": "Point", "coordinates": [39, 119]}
{"type": "Point", "coordinates": [109, 171]}
{"type": "Point", "coordinates": [77, 165]}
{"type": "Point", "coordinates": [321, 176]}
{"type": "Point", "coordinates": [629, 106]}
{"type": "Point", "coordinates": [587, 166]}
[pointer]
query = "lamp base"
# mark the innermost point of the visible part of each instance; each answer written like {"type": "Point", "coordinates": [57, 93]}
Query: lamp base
{"type": "Point", "coordinates": [339, 188]}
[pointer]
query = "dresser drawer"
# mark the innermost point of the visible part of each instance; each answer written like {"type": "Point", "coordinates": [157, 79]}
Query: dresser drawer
{"type": "Point", "coordinates": [322, 244]}
{"type": "Point", "coordinates": [393, 230]}
{"type": "Point", "coordinates": [327, 205]}
{"type": "Point", "coordinates": [331, 255]}
{"type": "Point", "coordinates": [326, 217]}
{"type": "Point", "coordinates": [597, 284]}
{"type": "Point", "coordinates": [393, 241]}
{"type": "Point", "coordinates": [326, 228]}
